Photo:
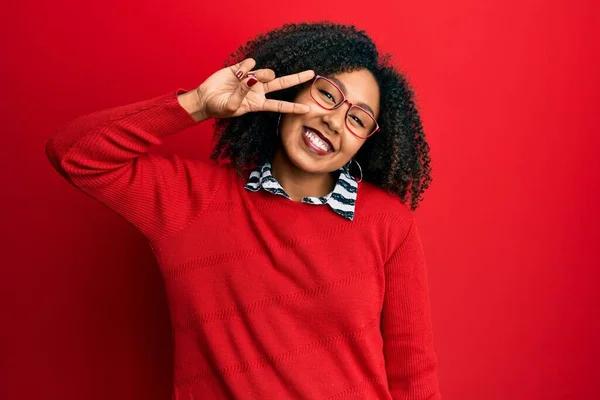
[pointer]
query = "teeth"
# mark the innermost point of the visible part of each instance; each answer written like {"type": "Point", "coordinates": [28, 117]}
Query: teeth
{"type": "Point", "coordinates": [317, 141]}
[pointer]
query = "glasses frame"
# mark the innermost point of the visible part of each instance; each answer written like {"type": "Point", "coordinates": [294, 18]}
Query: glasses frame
{"type": "Point", "coordinates": [344, 100]}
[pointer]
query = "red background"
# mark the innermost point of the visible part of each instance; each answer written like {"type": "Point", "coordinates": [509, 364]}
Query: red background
{"type": "Point", "coordinates": [509, 97]}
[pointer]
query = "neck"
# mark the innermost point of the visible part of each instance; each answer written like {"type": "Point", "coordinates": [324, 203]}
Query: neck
{"type": "Point", "coordinates": [299, 184]}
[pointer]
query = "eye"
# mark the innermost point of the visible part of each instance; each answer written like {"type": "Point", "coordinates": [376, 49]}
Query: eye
{"type": "Point", "coordinates": [358, 120]}
{"type": "Point", "coordinates": [327, 94]}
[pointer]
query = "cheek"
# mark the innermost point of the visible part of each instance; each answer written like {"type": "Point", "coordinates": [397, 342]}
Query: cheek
{"type": "Point", "coordinates": [351, 144]}
{"type": "Point", "coordinates": [289, 124]}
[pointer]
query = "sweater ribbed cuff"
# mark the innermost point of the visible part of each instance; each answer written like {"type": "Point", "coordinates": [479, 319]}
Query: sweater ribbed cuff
{"type": "Point", "coordinates": [168, 116]}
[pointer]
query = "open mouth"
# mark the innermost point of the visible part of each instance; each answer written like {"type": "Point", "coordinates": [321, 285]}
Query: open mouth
{"type": "Point", "coordinates": [316, 142]}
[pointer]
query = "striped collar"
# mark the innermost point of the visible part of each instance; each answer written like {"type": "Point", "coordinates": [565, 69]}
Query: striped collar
{"type": "Point", "coordinates": [341, 199]}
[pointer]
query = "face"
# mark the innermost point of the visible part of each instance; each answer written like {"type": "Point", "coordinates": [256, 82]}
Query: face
{"type": "Point", "coordinates": [335, 143]}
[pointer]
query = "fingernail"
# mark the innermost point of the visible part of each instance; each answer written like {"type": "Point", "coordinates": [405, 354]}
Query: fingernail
{"type": "Point", "coordinates": [252, 81]}
{"type": "Point", "coordinates": [239, 74]}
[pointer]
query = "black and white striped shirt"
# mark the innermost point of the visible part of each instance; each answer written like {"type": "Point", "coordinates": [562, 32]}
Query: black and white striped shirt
{"type": "Point", "coordinates": [341, 199]}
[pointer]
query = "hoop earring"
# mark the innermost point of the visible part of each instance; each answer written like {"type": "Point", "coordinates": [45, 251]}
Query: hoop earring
{"type": "Point", "coordinates": [278, 121]}
{"type": "Point", "coordinates": [359, 168]}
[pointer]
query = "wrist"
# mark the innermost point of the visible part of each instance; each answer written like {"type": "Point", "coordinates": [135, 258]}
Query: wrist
{"type": "Point", "coordinates": [192, 103]}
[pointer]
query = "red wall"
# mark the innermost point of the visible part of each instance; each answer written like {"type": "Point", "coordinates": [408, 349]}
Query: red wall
{"type": "Point", "coordinates": [508, 91]}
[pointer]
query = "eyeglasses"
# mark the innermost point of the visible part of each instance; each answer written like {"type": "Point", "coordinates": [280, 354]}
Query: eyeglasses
{"type": "Point", "coordinates": [329, 96]}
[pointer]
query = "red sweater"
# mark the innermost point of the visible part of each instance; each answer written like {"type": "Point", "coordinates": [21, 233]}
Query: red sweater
{"type": "Point", "coordinates": [269, 298]}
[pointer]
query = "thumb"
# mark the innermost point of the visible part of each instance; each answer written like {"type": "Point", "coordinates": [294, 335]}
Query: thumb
{"type": "Point", "coordinates": [245, 85]}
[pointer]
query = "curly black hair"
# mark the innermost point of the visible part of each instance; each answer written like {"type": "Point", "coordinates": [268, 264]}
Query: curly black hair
{"type": "Point", "coordinates": [395, 159]}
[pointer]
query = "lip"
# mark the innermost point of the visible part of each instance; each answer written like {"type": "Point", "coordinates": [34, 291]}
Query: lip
{"type": "Point", "coordinates": [323, 138]}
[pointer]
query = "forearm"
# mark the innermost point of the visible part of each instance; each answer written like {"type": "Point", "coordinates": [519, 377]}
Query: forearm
{"type": "Point", "coordinates": [94, 144]}
{"type": "Point", "coordinates": [106, 155]}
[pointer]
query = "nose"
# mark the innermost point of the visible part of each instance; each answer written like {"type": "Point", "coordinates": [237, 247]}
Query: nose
{"type": "Point", "coordinates": [335, 119]}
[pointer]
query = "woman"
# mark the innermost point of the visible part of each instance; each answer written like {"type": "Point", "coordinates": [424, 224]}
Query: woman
{"type": "Point", "coordinates": [288, 276]}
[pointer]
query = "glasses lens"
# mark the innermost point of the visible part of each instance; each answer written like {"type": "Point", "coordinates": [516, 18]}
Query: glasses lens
{"type": "Point", "coordinates": [360, 122]}
{"type": "Point", "coordinates": [326, 94]}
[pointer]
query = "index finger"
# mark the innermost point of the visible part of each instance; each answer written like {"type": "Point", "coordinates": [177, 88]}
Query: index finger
{"type": "Point", "coordinates": [287, 81]}
{"type": "Point", "coordinates": [285, 107]}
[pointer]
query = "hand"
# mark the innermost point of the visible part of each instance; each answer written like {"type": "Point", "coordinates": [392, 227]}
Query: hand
{"type": "Point", "coordinates": [224, 95]}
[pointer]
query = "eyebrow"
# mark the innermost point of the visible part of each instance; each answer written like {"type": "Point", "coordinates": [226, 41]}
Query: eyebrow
{"type": "Point", "coordinates": [345, 91]}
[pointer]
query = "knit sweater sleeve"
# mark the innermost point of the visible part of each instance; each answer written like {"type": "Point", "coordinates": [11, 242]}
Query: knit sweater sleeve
{"type": "Point", "coordinates": [410, 359]}
{"type": "Point", "coordinates": [106, 155]}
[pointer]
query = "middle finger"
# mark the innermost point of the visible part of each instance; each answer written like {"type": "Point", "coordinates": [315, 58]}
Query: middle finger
{"type": "Point", "coordinates": [287, 81]}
